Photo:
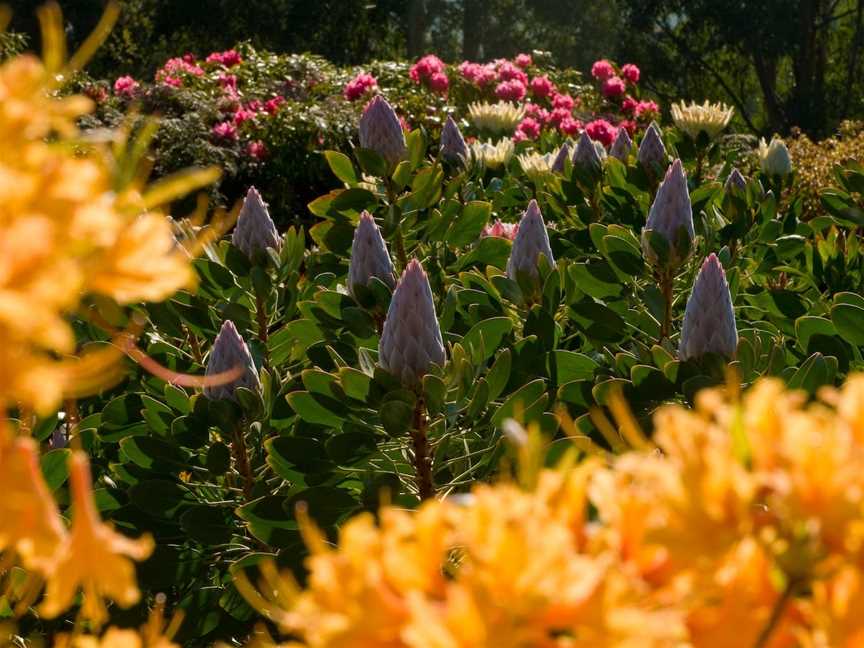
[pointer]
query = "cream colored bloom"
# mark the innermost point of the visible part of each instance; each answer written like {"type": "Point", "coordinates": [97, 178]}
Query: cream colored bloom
{"type": "Point", "coordinates": [492, 156]}
{"type": "Point", "coordinates": [708, 118]}
{"type": "Point", "coordinates": [501, 117]}
{"type": "Point", "coordinates": [537, 166]}
{"type": "Point", "coordinates": [774, 157]}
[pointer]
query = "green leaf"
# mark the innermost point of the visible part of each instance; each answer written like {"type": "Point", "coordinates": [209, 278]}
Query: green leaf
{"type": "Point", "coordinates": [814, 373]}
{"type": "Point", "coordinates": [434, 393]}
{"type": "Point", "coordinates": [468, 226]}
{"type": "Point", "coordinates": [521, 398]}
{"type": "Point", "coordinates": [312, 410]}
{"type": "Point", "coordinates": [573, 366]}
{"type": "Point", "coordinates": [498, 376]}
{"type": "Point", "coordinates": [849, 321]}
{"type": "Point", "coordinates": [55, 467]}
{"type": "Point", "coordinates": [396, 417]}
{"type": "Point", "coordinates": [155, 454]}
{"type": "Point", "coordinates": [808, 326]}
{"type": "Point", "coordinates": [416, 147]}
{"type": "Point", "coordinates": [487, 335]}
{"type": "Point", "coordinates": [490, 250]}
{"type": "Point", "coordinates": [209, 525]}
{"type": "Point", "coordinates": [161, 498]}
{"type": "Point", "coordinates": [596, 278]}
{"type": "Point", "coordinates": [341, 166]}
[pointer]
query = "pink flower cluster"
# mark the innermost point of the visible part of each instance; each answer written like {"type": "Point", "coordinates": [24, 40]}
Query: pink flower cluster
{"type": "Point", "coordinates": [542, 87]}
{"type": "Point", "coordinates": [429, 71]}
{"type": "Point", "coordinates": [228, 58]}
{"type": "Point", "coordinates": [642, 110]}
{"type": "Point", "coordinates": [477, 73]}
{"type": "Point", "coordinates": [602, 131]}
{"type": "Point", "coordinates": [501, 230]}
{"type": "Point", "coordinates": [126, 87]}
{"type": "Point", "coordinates": [528, 129]}
{"type": "Point", "coordinates": [510, 90]}
{"type": "Point", "coordinates": [171, 73]}
{"type": "Point", "coordinates": [613, 84]}
{"type": "Point", "coordinates": [225, 131]}
{"type": "Point", "coordinates": [523, 60]}
{"type": "Point", "coordinates": [359, 86]}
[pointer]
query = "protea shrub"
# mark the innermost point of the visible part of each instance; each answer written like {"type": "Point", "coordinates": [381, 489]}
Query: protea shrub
{"type": "Point", "coordinates": [735, 181]}
{"type": "Point", "coordinates": [255, 230]}
{"type": "Point", "coordinates": [381, 131]}
{"type": "Point", "coordinates": [652, 152]}
{"type": "Point", "coordinates": [411, 341]}
{"type": "Point", "coordinates": [531, 241]}
{"type": "Point", "coordinates": [622, 145]}
{"type": "Point", "coordinates": [709, 318]}
{"type": "Point", "coordinates": [667, 238]}
{"type": "Point", "coordinates": [369, 256]}
{"type": "Point", "coordinates": [774, 158]}
{"type": "Point", "coordinates": [230, 352]}
{"type": "Point", "coordinates": [453, 147]}
{"type": "Point", "coordinates": [586, 156]}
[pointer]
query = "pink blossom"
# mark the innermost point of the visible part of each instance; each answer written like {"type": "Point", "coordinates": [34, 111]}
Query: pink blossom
{"type": "Point", "coordinates": [272, 105]}
{"type": "Point", "coordinates": [523, 60]}
{"type": "Point", "coordinates": [439, 82]}
{"type": "Point", "coordinates": [559, 115]}
{"type": "Point", "coordinates": [537, 112]}
{"type": "Point", "coordinates": [519, 136]}
{"type": "Point", "coordinates": [602, 70]}
{"type": "Point", "coordinates": [126, 87]}
{"type": "Point", "coordinates": [601, 130]}
{"type": "Point", "coordinates": [423, 69]}
{"type": "Point", "coordinates": [563, 101]}
{"type": "Point", "coordinates": [629, 125]}
{"type": "Point", "coordinates": [501, 230]}
{"type": "Point", "coordinates": [570, 126]}
{"type": "Point", "coordinates": [542, 87]}
{"type": "Point", "coordinates": [479, 75]}
{"type": "Point", "coordinates": [509, 72]}
{"type": "Point", "coordinates": [513, 90]}
{"type": "Point", "coordinates": [97, 93]}
{"type": "Point", "coordinates": [176, 66]}
{"type": "Point", "coordinates": [629, 105]}
{"type": "Point", "coordinates": [614, 87]}
{"type": "Point", "coordinates": [359, 86]}
{"type": "Point", "coordinates": [255, 105]}
{"type": "Point", "coordinates": [225, 130]}
{"type": "Point", "coordinates": [646, 110]}
{"type": "Point", "coordinates": [189, 58]}
{"type": "Point", "coordinates": [227, 81]}
{"type": "Point", "coordinates": [257, 150]}
{"type": "Point", "coordinates": [174, 82]}
{"type": "Point", "coordinates": [529, 126]}
{"type": "Point", "coordinates": [228, 58]}
{"type": "Point", "coordinates": [404, 123]}
{"type": "Point", "coordinates": [243, 115]}
{"type": "Point", "coordinates": [631, 73]}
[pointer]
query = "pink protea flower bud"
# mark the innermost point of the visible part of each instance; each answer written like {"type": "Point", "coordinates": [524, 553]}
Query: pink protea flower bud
{"type": "Point", "coordinates": [230, 351]}
{"type": "Point", "coordinates": [586, 156]}
{"type": "Point", "coordinates": [500, 230]}
{"type": "Point", "coordinates": [709, 319]}
{"type": "Point", "coordinates": [622, 145]}
{"type": "Point", "coordinates": [381, 131]}
{"type": "Point", "coordinates": [563, 153]}
{"type": "Point", "coordinates": [255, 231]}
{"type": "Point", "coordinates": [369, 256]}
{"type": "Point", "coordinates": [530, 242]}
{"type": "Point", "coordinates": [411, 340]}
{"type": "Point", "coordinates": [651, 150]}
{"type": "Point", "coordinates": [453, 147]}
{"type": "Point", "coordinates": [670, 213]}
{"type": "Point", "coordinates": [735, 181]}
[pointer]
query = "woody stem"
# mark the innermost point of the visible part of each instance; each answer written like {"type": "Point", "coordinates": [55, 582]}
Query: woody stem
{"type": "Point", "coordinates": [241, 459]}
{"type": "Point", "coordinates": [261, 312]}
{"type": "Point", "coordinates": [776, 615]}
{"type": "Point", "coordinates": [422, 457]}
{"type": "Point", "coordinates": [400, 242]}
{"type": "Point", "coordinates": [666, 288]}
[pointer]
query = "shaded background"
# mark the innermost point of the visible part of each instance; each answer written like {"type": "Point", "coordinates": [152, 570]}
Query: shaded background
{"type": "Point", "coordinates": [781, 63]}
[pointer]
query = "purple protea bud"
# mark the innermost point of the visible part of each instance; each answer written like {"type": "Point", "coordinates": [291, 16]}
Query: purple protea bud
{"type": "Point", "coordinates": [709, 319]}
{"type": "Point", "coordinates": [453, 147]}
{"type": "Point", "coordinates": [622, 145]}
{"type": "Point", "coordinates": [531, 241]}
{"type": "Point", "coordinates": [562, 155]}
{"type": "Point", "coordinates": [230, 351]}
{"type": "Point", "coordinates": [586, 156]}
{"type": "Point", "coordinates": [369, 256]}
{"type": "Point", "coordinates": [652, 152]}
{"type": "Point", "coordinates": [671, 218]}
{"type": "Point", "coordinates": [380, 131]}
{"type": "Point", "coordinates": [411, 340]}
{"type": "Point", "coordinates": [255, 231]}
{"type": "Point", "coordinates": [735, 181]}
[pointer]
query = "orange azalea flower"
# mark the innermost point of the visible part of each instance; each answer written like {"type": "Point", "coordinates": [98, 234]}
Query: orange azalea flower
{"type": "Point", "coordinates": [95, 559]}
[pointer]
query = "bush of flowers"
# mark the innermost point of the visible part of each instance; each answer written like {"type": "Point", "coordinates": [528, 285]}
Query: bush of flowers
{"type": "Point", "coordinates": [503, 390]}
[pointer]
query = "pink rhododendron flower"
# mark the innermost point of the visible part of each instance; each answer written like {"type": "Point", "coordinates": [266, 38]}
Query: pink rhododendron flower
{"type": "Point", "coordinates": [359, 86]}
{"type": "Point", "coordinates": [176, 66]}
{"type": "Point", "coordinates": [228, 58]}
{"type": "Point", "coordinates": [404, 124]}
{"type": "Point", "coordinates": [501, 230]}
{"type": "Point", "coordinates": [97, 93]}
{"type": "Point", "coordinates": [189, 57]}
{"type": "Point", "coordinates": [255, 105]}
{"type": "Point", "coordinates": [479, 75]}
{"type": "Point", "coordinates": [614, 87]}
{"type": "Point", "coordinates": [257, 150]}
{"type": "Point", "coordinates": [272, 105]}
{"type": "Point", "coordinates": [629, 125]}
{"type": "Point", "coordinates": [529, 126]}
{"type": "Point", "coordinates": [602, 131]}
{"type": "Point", "coordinates": [537, 112]}
{"type": "Point", "coordinates": [243, 115]}
{"type": "Point", "coordinates": [631, 73]}
{"type": "Point", "coordinates": [423, 69]}
{"type": "Point", "coordinates": [225, 131]}
{"type": "Point", "coordinates": [563, 101]}
{"type": "Point", "coordinates": [570, 126]}
{"type": "Point", "coordinates": [126, 87]}
{"type": "Point", "coordinates": [519, 136]}
{"type": "Point", "coordinates": [439, 82]}
{"type": "Point", "coordinates": [559, 115]}
{"type": "Point", "coordinates": [602, 70]}
{"type": "Point", "coordinates": [629, 105]}
{"type": "Point", "coordinates": [542, 87]}
{"type": "Point", "coordinates": [174, 82]}
{"type": "Point", "coordinates": [509, 72]}
{"type": "Point", "coordinates": [513, 90]}
{"type": "Point", "coordinates": [647, 110]}
{"type": "Point", "coordinates": [227, 81]}
{"type": "Point", "coordinates": [523, 60]}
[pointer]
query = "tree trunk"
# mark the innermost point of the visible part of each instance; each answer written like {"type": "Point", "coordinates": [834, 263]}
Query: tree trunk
{"type": "Point", "coordinates": [416, 27]}
{"type": "Point", "coordinates": [766, 72]}
{"type": "Point", "coordinates": [472, 29]}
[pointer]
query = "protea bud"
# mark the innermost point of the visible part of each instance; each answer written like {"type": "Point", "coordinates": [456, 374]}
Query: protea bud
{"type": "Point", "coordinates": [586, 156]}
{"type": "Point", "coordinates": [230, 351]}
{"type": "Point", "coordinates": [411, 340]}
{"type": "Point", "coordinates": [774, 158]}
{"type": "Point", "coordinates": [453, 147]}
{"type": "Point", "coordinates": [255, 231]}
{"type": "Point", "coordinates": [709, 319]}
{"type": "Point", "coordinates": [380, 131]}
{"type": "Point", "coordinates": [530, 242]}
{"type": "Point", "coordinates": [369, 256]}
{"type": "Point", "coordinates": [622, 145]}
{"type": "Point", "coordinates": [671, 220]}
{"type": "Point", "coordinates": [652, 152]}
{"type": "Point", "coordinates": [735, 181]}
{"type": "Point", "coordinates": [563, 153]}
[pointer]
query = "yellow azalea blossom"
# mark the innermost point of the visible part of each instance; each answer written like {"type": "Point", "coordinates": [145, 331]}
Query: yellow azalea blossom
{"type": "Point", "coordinates": [96, 559]}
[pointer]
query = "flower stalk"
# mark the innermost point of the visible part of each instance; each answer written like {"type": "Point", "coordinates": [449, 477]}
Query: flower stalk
{"type": "Point", "coordinates": [422, 457]}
